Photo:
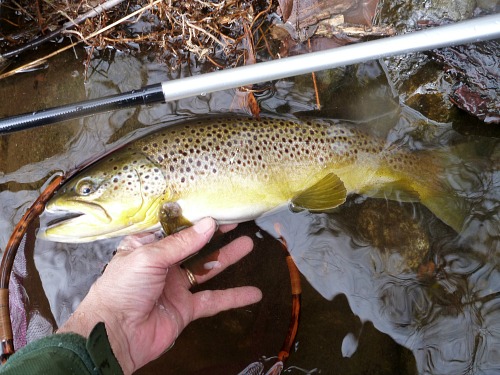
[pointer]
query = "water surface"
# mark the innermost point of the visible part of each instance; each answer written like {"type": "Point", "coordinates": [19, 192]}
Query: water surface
{"type": "Point", "coordinates": [388, 288]}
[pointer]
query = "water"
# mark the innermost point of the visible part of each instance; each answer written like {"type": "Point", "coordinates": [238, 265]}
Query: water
{"type": "Point", "coordinates": [387, 287]}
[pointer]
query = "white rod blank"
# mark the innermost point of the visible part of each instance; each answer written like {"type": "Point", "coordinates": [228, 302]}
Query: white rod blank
{"type": "Point", "coordinates": [475, 30]}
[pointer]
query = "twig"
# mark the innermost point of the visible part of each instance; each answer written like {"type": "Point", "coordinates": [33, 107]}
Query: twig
{"type": "Point", "coordinates": [94, 34]}
{"type": "Point", "coordinates": [203, 31]}
{"type": "Point", "coordinates": [91, 13]}
{"type": "Point", "coordinates": [21, 9]}
{"type": "Point", "coordinates": [265, 11]}
{"type": "Point", "coordinates": [214, 62]}
{"type": "Point", "coordinates": [315, 84]}
{"type": "Point", "coordinates": [39, 16]}
{"type": "Point", "coordinates": [9, 21]}
{"type": "Point", "coordinates": [263, 37]}
{"type": "Point", "coordinates": [208, 5]}
{"type": "Point", "coordinates": [51, 35]}
{"type": "Point", "coordinates": [225, 37]}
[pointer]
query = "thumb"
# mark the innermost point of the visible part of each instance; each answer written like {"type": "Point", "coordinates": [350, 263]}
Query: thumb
{"type": "Point", "coordinates": [177, 247]}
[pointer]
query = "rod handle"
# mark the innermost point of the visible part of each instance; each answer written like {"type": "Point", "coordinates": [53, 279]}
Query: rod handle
{"type": "Point", "coordinates": [6, 336]}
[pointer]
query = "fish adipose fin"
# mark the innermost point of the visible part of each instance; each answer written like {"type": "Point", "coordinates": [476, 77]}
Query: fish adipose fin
{"type": "Point", "coordinates": [324, 195]}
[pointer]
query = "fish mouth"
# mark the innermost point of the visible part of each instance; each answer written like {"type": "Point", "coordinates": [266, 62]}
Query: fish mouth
{"type": "Point", "coordinates": [82, 223]}
{"type": "Point", "coordinates": [76, 209]}
{"type": "Point", "coordinates": [66, 217]}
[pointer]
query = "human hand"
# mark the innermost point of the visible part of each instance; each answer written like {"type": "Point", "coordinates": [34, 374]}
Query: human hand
{"type": "Point", "coordinates": [143, 296]}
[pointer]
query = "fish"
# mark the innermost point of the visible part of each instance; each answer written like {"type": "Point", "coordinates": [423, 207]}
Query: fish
{"type": "Point", "coordinates": [237, 169]}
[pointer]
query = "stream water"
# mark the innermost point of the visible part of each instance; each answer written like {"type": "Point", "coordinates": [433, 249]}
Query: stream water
{"type": "Point", "coordinates": [387, 287]}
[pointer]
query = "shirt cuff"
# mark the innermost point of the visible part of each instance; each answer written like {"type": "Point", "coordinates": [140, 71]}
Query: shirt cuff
{"type": "Point", "coordinates": [66, 353]}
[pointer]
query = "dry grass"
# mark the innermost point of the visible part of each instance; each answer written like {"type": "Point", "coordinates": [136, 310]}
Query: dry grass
{"type": "Point", "coordinates": [172, 31]}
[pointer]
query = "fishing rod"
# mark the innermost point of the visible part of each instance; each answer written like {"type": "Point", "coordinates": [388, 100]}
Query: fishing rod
{"type": "Point", "coordinates": [470, 31]}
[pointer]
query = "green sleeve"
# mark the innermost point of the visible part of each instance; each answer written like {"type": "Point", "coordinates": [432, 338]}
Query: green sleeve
{"type": "Point", "coordinates": [66, 353]}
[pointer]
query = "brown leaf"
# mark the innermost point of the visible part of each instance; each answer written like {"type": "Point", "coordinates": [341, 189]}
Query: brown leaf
{"type": "Point", "coordinates": [362, 14]}
{"type": "Point", "coordinates": [244, 101]}
{"type": "Point", "coordinates": [309, 12]}
{"type": "Point", "coordinates": [244, 98]}
{"type": "Point", "coordinates": [253, 105]}
{"type": "Point", "coordinates": [286, 7]}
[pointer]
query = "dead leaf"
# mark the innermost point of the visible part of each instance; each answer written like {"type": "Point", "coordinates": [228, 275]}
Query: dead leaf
{"type": "Point", "coordinates": [244, 98]}
{"type": "Point", "coordinates": [310, 12]}
{"type": "Point", "coordinates": [362, 14]}
{"type": "Point", "coordinates": [253, 105]}
{"type": "Point", "coordinates": [286, 7]}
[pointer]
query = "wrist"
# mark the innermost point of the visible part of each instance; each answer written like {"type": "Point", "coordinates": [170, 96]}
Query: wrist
{"type": "Point", "coordinates": [87, 315]}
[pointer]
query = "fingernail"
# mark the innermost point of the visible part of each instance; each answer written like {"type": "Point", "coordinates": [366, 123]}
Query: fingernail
{"type": "Point", "coordinates": [212, 265]}
{"type": "Point", "coordinates": [204, 225]}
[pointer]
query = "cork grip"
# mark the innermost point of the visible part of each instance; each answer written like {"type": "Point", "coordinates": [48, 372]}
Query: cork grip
{"type": "Point", "coordinates": [6, 339]}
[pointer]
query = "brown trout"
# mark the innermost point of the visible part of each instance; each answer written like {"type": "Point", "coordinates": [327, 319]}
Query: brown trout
{"type": "Point", "coordinates": [236, 169]}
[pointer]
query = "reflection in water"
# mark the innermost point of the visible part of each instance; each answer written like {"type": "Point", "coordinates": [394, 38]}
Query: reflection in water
{"type": "Point", "coordinates": [69, 271]}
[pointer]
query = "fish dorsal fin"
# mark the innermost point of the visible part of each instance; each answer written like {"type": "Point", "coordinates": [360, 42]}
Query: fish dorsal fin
{"type": "Point", "coordinates": [396, 190]}
{"type": "Point", "coordinates": [324, 195]}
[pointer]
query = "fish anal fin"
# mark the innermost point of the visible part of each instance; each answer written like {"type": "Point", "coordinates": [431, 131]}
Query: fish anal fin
{"type": "Point", "coordinates": [324, 195]}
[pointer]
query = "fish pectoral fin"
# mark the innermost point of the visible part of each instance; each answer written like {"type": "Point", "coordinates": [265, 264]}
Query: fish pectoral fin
{"type": "Point", "coordinates": [171, 219]}
{"type": "Point", "coordinates": [324, 195]}
{"type": "Point", "coordinates": [396, 190]}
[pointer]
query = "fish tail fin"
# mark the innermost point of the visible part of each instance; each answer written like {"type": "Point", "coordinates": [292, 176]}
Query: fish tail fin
{"type": "Point", "coordinates": [460, 181]}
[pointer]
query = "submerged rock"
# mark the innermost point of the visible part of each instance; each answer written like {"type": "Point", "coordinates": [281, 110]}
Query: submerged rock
{"type": "Point", "coordinates": [396, 231]}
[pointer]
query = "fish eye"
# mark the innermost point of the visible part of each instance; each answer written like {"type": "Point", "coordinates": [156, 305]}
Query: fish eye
{"type": "Point", "coordinates": [84, 188]}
